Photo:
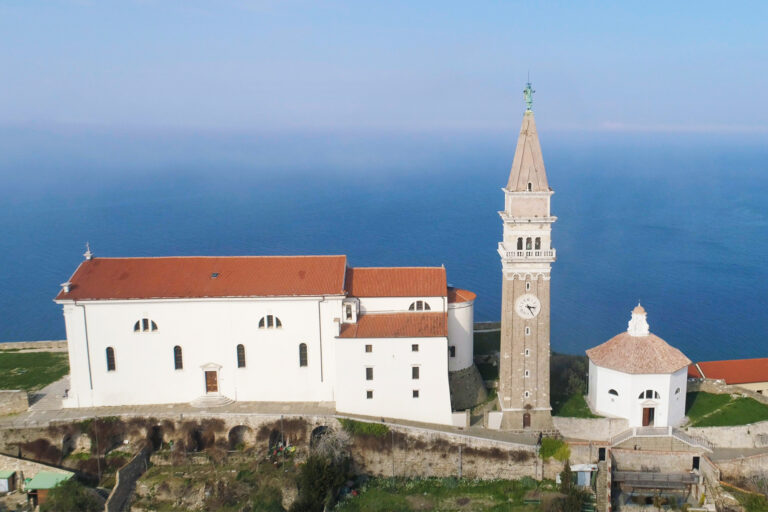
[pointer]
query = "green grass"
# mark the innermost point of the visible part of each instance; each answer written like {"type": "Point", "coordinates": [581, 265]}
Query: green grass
{"type": "Point", "coordinates": [31, 370]}
{"type": "Point", "coordinates": [750, 502]}
{"type": "Point", "coordinates": [385, 494]}
{"type": "Point", "coordinates": [710, 410]}
{"type": "Point", "coordinates": [364, 428]}
{"type": "Point", "coordinates": [487, 342]}
{"type": "Point", "coordinates": [573, 407]}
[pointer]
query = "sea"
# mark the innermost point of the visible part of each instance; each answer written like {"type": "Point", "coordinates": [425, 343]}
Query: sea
{"type": "Point", "coordinates": [676, 221]}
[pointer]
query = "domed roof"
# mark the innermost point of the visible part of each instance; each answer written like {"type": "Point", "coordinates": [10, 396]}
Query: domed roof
{"type": "Point", "coordinates": [638, 351]}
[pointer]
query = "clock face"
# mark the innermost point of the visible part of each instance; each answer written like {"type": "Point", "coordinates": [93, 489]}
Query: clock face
{"type": "Point", "coordinates": [527, 306]}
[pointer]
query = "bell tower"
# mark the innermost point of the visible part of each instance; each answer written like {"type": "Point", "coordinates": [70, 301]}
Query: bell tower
{"type": "Point", "coordinates": [526, 258]}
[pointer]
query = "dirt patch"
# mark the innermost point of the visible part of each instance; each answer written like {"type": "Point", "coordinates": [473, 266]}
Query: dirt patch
{"type": "Point", "coordinates": [419, 503]}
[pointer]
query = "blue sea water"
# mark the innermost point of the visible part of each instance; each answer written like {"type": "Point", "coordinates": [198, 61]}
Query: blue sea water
{"type": "Point", "coordinates": [679, 223]}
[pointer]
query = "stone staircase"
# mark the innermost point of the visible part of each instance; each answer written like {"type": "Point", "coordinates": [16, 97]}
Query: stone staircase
{"type": "Point", "coordinates": [208, 401]}
{"type": "Point", "coordinates": [661, 432]}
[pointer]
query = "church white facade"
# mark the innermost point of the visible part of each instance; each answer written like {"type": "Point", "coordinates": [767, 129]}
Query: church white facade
{"type": "Point", "coordinates": [638, 376]}
{"type": "Point", "coordinates": [374, 341]}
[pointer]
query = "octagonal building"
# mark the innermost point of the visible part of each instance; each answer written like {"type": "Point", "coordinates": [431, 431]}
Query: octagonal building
{"type": "Point", "coordinates": [638, 376]}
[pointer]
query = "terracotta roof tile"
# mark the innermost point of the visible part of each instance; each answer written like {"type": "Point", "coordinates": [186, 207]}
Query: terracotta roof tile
{"type": "Point", "coordinates": [693, 372]}
{"type": "Point", "coordinates": [736, 371]}
{"type": "Point", "coordinates": [396, 282]}
{"type": "Point", "coordinates": [638, 355]}
{"type": "Point", "coordinates": [191, 277]}
{"type": "Point", "coordinates": [458, 295]}
{"type": "Point", "coordinates": [397, 325]}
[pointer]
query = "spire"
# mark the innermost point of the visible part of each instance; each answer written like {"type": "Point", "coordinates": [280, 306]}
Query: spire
{"type": "Point", "coordinates": [528, 164]}
{"type": "Point", "coordinates": [638, 324]}
{"type": "Point", "coordinates": [88, 254]}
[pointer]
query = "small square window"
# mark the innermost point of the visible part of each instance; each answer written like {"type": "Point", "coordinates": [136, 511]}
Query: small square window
{"type": "Point", "coordinates": [415, 393]}
{"type": "Point", "coordinates": [369, 348]}
{"type": "Point", "coordinates": [415, 347]}
{"type": "Point", "coordinates": [527, 352]}
{"type": "Point", "coordinates": [414, 372]}
{"type": "Point", "coordinates": [369, 394]}
{"type": "Point", "coordinates": [452, 351]}
{"type": "Point", "coordinates": [369, 373]}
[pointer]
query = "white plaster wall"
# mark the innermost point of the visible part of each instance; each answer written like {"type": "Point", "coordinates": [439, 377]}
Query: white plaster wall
{"type": "Point", "coordinates": [460, 334]}
{"type": "Point", "coordinates": [392, 385]}
{"type": "Point", "coordinates": [208, 332]}
{"type": "Point", "coordinates": [669, 408]}
{"type": "Point", "coordinates": [80, 386]}
{"type": "Point", "coordinates": [399, 304]}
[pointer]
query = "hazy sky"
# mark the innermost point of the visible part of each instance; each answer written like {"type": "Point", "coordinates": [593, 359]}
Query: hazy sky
{"type": "Point", "coordinates": [403, 66]}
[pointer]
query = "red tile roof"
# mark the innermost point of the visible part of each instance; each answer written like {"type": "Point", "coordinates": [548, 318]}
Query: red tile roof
{"type": "Point", "coordinates": [190, 277]}
{"type": "Point", "coordinates": [458, 295]}
{"type": "Point", "coordinates": [736, 371]}
{"type": "Point", "coordinates": [693, 372]}
{"type": "Point", "coordinates": [397, 325]}
{"type": "Point", "coordinates": [638, 355]}
{"type": "Point", "coordinates": [396, 282]}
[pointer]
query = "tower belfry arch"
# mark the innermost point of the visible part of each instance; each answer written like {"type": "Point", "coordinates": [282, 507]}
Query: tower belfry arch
{"type": "Point", "coordinates": [526, 258]}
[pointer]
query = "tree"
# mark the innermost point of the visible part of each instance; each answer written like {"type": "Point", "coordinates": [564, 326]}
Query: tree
{"type": "Point", "coordinates": [70, 495]}
{"type": "Point", "coordinates": [319, 481]}
{"type": "Point", "coordinates": [566, 479]}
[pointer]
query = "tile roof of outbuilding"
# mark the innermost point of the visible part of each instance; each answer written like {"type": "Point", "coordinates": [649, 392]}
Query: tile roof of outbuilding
{"type": "Point", "coordinates": [215, 276]}
{"type": "Point", "coordinates": [638, 355]}
{"type": "Point", "coordinates": [396, 282]}
{"type": "Point", "coordinates": [456, 295]}
{"type": "Point", "coordinates": [397, 325]}
{"type": "Point", "coordinates": [735, 371]}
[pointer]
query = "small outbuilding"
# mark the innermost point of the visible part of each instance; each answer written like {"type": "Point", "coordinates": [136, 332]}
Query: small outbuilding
{"type": "Point", "coordinates": [39, 486]}
{"type": "Point", "coordinates": [638, 376]}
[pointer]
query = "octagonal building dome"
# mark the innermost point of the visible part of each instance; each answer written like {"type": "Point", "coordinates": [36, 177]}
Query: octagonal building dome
{"type": "Point", "coordinates": [638, 351]}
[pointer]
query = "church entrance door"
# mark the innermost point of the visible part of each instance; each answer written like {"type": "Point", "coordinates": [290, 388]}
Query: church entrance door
{"type": "Point", "coordinates": [527, 420]}
{"type": "Point", "coordinates": [648, 413]}
{"type": "Point", "coordinates": [211, 382]}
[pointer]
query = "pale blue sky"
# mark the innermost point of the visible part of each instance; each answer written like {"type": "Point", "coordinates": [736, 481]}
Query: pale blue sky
{"type": "Point", "coordinates": [402, 66]}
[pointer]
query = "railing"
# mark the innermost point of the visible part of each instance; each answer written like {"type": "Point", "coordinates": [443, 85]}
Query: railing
{"type": "Point", "coordinates": [528, 254]}
{"type": "Point", "coordinates": [661, 432]}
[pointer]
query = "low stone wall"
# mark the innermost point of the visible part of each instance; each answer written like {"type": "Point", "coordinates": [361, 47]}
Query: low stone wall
{"type": "Point", "coordinates": [13, 401]}
{"type": "Point", "coordinates": [656, 461]}
{"type": "Point", "coordinates": [590, 429]}
{"type": "Point", "coordinates": [125, 480]}
{"type": "Point", "coordinates": [47, 346]}
{"type": "Point", "coordinates": [744, 467]}
{"type": "Point", "coordinates": [754, 435]}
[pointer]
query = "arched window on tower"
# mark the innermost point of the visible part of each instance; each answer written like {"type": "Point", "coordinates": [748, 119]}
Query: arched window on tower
{"type": "Point", "coordinates": [241, 356]}
{"type": "Point", "coordinates": [520, 244]}
{"type": "Point", "coordinates": [302, 354]}
{"type": "Point", "coordinates": [530, 186]}
{"type": "Point", "coordinates": [178, 360]}
{"type": "Point", "coordinates": [110, 359]}
{"type": "Point", "coordinates": [528, 244]}
{"type": "Point", "coordinates": [537, 245]}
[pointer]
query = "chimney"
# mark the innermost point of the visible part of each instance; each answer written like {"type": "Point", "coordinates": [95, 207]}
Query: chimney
{"type": "Point", "coordinates": [65, 286]}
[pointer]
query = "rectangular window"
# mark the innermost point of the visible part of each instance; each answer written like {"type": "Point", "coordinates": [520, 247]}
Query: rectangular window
{"type": "Point", "coordinates": [527, 352]}
{"type": "Point", "coordinates": [369, 373]}
{"type": "Point", "coordinates": [369, 394]}
{"type": "Point", "coordinates": [414, 372]}
{"type": "Point", "coordinates": [452, 351]}
{"type": "Point", "coordinates": [348, 310]}
{"type": "Point", "coordinates": [369, 348]}
{"type": "Point", "coordinates": [415, 393]}
{"type": "Point", "coordinates": [145, 324]}
{"type": "Point", "coordinates": [415, 347]}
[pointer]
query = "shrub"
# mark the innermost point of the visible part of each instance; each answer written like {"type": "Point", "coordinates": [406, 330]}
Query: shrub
{"type": "Point", "coordinates": [319, 481]}
{"type": "Point", "coordinates": [363, 428]}
{"type": "Point", "coordinates": [556, 448]}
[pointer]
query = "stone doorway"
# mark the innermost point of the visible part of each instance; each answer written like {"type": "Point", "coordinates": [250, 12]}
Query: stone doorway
{"type": "Point", "coordinates": [211, 382]}
{"type": "Point", "coordinates": [527, 420]}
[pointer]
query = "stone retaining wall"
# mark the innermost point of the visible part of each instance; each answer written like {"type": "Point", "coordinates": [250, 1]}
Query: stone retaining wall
{"type": "Point", "coordinates": [744, 467]}
{"type": "Point", "coordinates": [590, 429]}
{"type": "Point", "coordinates": [656, 461]}
{"type": "Point", "coordinates": [719, 387]}
{"type": "Point", "coordinates": [125, 480]}
{"type": "Point", "coordinates": [27, 468]}
{"type": "Point", "coordinates": [13, 401]}
{"type": "Point", "coordinates": [49, 346]}
{"type": "Point", "coordinates": [754, 435]}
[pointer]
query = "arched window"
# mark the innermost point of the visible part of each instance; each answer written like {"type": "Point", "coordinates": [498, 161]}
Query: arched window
{"type": "Point", "coordinates": [649, 393]}
{"type": "Point", "coordinates": [677, 391]}
{"type": "Point", "coordinates": [110, 359]}
{"type": "Point", "coordinates": [613, 392]}
{"type": "Point", "coordinates": [302, 354]}
{"type": "Point", "coordinates": [419, 305]}
{"type": "Point", "coordinates": [530, 186]}
{"type": "Point", "coordinates": [270, 322]}
{"type": "Point", "coordinates": [240, 356]}
{"type": "Point", "coordinates": [145, 325]}
{"type": "Point", "coordinates": [527, 244]}
{"type": "Point", "coordinates": [520, 244]}
{"type": "Point", "coordinates": [537, 245]}
{"type": "Point", "coordinates": [178, 360]}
